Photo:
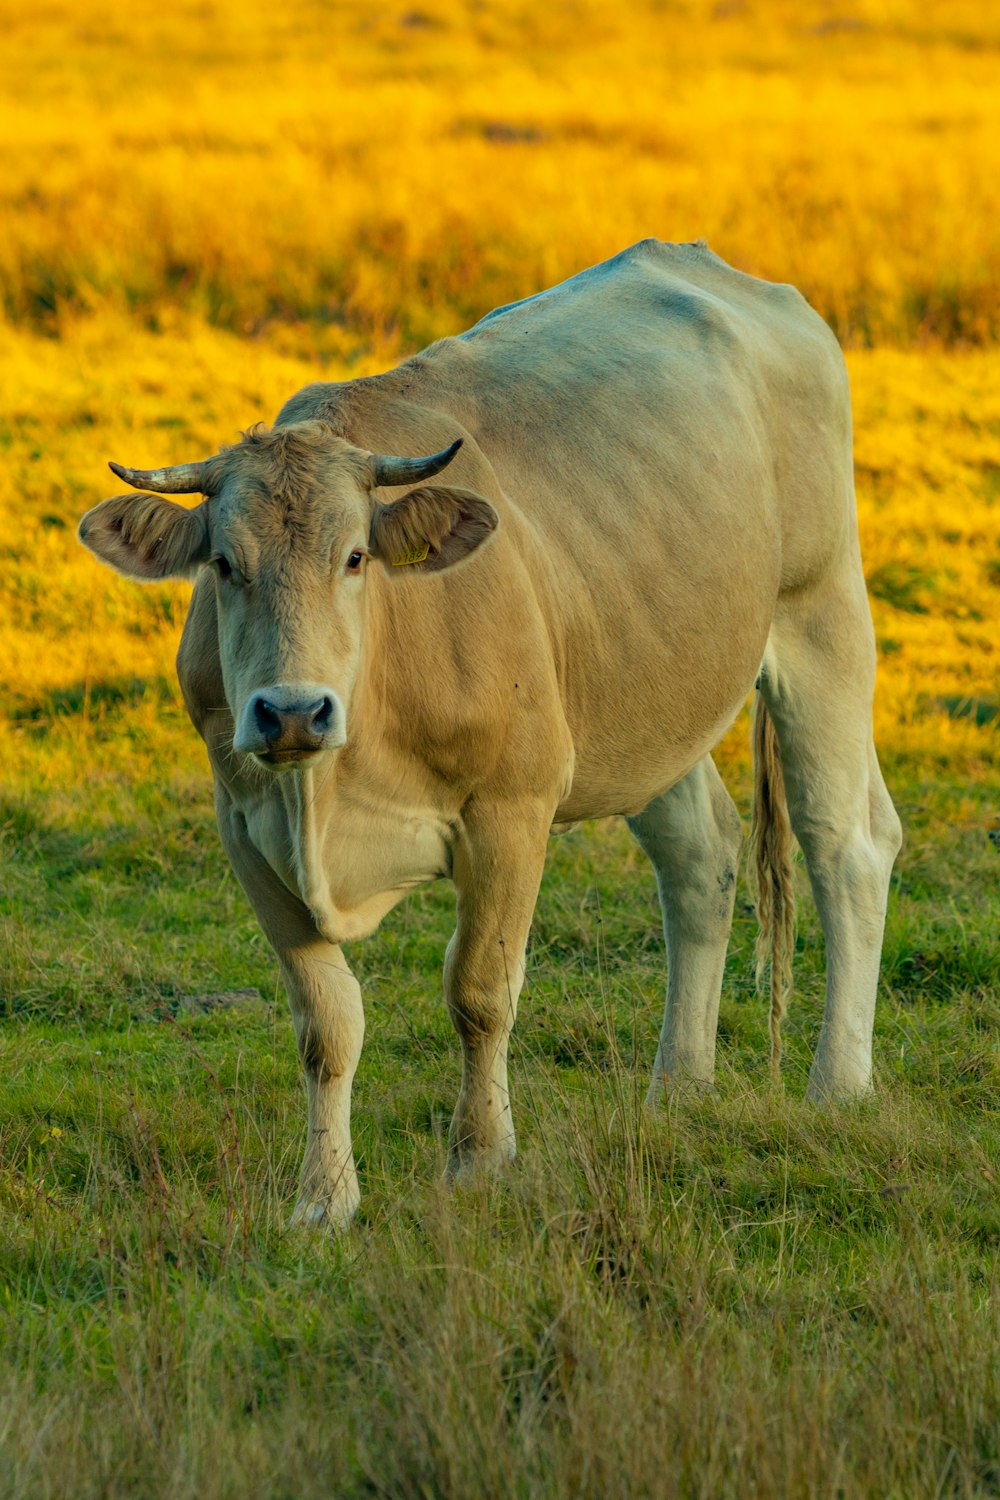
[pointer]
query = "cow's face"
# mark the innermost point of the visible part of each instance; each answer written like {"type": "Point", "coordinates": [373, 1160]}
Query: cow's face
{"type": "Point", "coordinates": [289, 527]}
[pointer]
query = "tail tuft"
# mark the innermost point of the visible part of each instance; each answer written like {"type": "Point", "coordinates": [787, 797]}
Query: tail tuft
{"type": "Point", "coordinates": [771, 862]}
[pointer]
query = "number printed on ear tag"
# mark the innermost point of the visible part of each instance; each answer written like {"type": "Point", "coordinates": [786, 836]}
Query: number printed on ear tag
{"type": "Point", "coordinates": [415, 555]}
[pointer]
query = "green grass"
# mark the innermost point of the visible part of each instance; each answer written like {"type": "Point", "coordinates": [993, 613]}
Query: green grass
{"type": "Point", "coordinates": [733, 1295]}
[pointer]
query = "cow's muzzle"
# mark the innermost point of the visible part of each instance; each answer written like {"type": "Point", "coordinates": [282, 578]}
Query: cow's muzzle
{"type": "Point", "coordinates": [290, 722]}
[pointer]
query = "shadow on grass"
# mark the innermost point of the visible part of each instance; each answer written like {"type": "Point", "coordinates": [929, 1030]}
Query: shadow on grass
{"type": "Point", "coordinates": [91, 698]}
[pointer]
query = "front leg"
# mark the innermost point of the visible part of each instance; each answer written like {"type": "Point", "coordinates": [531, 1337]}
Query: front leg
{"type": "Point", "coordinates": [325, 1001]}
{"type": "Point", "coordinates": [497, 870]}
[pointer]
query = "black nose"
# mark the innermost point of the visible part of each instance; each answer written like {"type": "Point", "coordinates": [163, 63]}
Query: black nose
{"type": "Point", "coordinates": [294, 727]}
{"type": "Point", "coordinates": [268, 718]}
{"type": "Point", "coordinates": [315, 718]}
{"type": "Point", "coordinates": [322, 715]}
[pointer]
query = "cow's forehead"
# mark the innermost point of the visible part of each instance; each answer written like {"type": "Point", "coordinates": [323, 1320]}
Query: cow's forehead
{"type": "Point", "coordinates": [294, 484]}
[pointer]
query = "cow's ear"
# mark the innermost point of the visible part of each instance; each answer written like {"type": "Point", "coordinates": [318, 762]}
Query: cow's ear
{"type": "Point", "coordinates": [146, 537]}
{"type": "Point", "coordinates": [431, 528]}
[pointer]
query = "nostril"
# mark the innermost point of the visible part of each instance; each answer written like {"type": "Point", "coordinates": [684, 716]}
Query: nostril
{"type": "Point", "coordinates": [321, 715]}
{"type": "Point", "coordinates": [268, 718]}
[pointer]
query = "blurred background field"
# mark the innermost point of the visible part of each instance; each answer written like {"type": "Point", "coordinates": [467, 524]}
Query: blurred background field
{"type": "Point", "coordinates": [203, 206]}
{"type": "Point", "coordinates": [390, 171]}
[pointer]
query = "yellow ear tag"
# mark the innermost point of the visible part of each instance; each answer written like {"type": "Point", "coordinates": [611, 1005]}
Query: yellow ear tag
{"type": "Point", "coordinates": [415, 555]}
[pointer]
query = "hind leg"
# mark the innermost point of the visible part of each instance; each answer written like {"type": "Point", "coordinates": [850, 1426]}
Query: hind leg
{"type": "Point", "coordinates": [817, 680]}
{"type": "Point", "coordinates": [692, 835]}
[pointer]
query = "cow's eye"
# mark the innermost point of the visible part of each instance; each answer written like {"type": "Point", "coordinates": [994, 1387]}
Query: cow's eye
{"type": "Point", "coordinates": [354, 562]}
{"type": "Point", "coordinates": [223, 566]}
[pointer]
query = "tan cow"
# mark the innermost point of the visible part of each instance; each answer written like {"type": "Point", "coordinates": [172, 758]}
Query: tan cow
{"type": "Point", "coordinates": [649, 506]}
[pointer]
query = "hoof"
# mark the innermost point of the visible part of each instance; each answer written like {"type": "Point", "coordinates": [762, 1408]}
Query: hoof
{"type": "Point", "coordinates": [462, 1171]}
{"type": "Point", "coordinates": [331, 1213]}
{"type": "Point", "coordinates": [843, 1088]}
{"type": "Point", "coordinates": [680, 1082]}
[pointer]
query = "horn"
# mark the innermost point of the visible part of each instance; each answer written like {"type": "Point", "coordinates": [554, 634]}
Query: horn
{"type": "Point", "coordinates": [181, 479]}
{"type": "Point", "coordinates": [389, 471]}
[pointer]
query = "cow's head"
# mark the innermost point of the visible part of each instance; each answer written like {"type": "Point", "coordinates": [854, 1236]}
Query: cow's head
{"type": "Point", "coordinates": [290, 522]}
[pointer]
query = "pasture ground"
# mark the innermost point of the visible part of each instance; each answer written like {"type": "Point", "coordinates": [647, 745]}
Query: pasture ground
{"type": "Point", "coordinates": [733, 1295]}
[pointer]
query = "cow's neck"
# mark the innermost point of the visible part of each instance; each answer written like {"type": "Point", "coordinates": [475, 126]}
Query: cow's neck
{"type": "Point", "coordinates": [353, 833]}
{"type": "Point", "coordinates": [299, 795]}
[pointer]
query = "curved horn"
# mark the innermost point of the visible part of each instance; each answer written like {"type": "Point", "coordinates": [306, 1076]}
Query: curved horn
{"type": "Point", "coordinates": [412, 470]}
{"type": "Point", "coordinates": [181, 479]}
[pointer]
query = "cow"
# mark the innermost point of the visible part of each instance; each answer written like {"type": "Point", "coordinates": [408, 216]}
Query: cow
{"type": "Point", "coordinates": [648, 510]}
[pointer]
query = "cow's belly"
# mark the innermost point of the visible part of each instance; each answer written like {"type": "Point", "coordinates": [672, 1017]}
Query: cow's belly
{"type": "Point", "coordinates": [623, 778]}
{"type": "Point", "coordinates": [350, 864]}
{"type": "Point", "coordinates": [648, 720]}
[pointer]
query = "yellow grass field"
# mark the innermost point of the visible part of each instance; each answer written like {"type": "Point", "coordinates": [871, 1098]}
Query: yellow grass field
{"type": "Point", "coordinates": [209, 204]}
{"type": "Point", "coordinates": [393, 169]}
{"type": "Point", "coordinates": [928, 461]}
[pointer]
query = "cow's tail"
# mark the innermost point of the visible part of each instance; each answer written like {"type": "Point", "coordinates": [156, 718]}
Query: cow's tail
{"type": "Point", "coordinates": [771, 862]}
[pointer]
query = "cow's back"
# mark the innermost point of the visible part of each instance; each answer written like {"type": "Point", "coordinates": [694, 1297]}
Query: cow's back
{"type": "Point", "coordinates": [664, 378]}
{"type": "Point", "coordinates": [680, 379]}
